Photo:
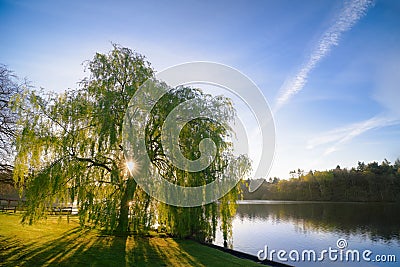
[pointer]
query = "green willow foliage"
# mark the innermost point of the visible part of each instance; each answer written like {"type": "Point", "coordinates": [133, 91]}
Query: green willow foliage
{"type": "Point", "coordinates": [70, 149]}
{"type": "Point", "coordinates": [196, 222]}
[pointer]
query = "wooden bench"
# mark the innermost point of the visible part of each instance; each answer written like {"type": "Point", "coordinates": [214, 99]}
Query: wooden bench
{"type": "Point", "coordinates": [61, 210]}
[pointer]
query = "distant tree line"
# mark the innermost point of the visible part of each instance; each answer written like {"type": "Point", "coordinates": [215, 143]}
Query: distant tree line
{"type": "Point", "coordinates": [366, 182]}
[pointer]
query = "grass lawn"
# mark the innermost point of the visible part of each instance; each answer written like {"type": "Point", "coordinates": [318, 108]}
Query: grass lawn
{"type": "Point", "coordinates": [59, 243]}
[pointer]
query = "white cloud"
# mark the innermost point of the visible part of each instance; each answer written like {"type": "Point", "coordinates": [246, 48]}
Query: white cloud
{"type": "Point", "coordinates": [347, 18]}
{"type": "Point", "coordinates": [338, 137]}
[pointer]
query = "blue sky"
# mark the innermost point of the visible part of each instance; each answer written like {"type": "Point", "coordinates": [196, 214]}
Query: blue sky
{"type": "Point", "coordinates": [343, 109]}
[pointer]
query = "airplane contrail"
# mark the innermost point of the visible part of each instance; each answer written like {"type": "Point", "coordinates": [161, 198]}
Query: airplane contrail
{"type": "Point", "coordinates": [347, 18]}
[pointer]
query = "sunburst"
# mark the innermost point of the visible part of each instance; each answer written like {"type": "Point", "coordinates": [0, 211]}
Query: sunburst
{"type": "Point", "coordinates": [132, 166]}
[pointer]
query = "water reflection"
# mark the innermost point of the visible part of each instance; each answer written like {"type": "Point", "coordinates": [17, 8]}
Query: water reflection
{"type": "Point", "coordinates": [375, 221]}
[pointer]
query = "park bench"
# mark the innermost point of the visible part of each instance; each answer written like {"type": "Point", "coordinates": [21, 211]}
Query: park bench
{"type": "Point", "coordinates": [60, 210]}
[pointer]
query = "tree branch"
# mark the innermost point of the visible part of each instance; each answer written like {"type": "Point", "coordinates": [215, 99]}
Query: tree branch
{"type": "Point", "coordinates": [94, 163]}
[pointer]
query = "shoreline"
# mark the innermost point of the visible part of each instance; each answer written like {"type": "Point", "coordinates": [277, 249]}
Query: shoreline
{"type": "Point", "coordinates": [243, 255]}
{"type": "Point", "coordinates": [273, 201]}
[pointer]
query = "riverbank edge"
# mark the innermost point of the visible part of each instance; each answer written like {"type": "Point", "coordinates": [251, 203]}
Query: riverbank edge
{"type": "Point", "coordinates": [279, 201]}
{"type": "Point", "coordinates": [246, 256]}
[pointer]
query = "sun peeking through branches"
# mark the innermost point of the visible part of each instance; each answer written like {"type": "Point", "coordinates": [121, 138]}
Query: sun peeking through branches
{"type": "Point", "coordinates": [70, 149]}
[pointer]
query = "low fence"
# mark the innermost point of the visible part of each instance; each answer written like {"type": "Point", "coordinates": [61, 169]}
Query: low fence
{"type": "Point", "coordinates": [11, 204]}
{"type": "Point", "coordinates": [19, 204]}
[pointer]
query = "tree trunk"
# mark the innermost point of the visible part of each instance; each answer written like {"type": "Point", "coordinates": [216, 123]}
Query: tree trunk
{"type": "Point", "coordinates": [123, 220]}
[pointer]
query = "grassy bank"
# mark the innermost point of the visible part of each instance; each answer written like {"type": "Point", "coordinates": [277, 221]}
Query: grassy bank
{"type": "Point", "coordinates": [59, 243]}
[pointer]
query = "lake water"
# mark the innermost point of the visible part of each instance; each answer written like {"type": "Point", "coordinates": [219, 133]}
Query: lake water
{"type": "Point", "coordinates": [298, 227]}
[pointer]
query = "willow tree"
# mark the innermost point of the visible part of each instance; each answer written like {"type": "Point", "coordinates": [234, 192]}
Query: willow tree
{"type": "Point", "coordinates": [70, 148]}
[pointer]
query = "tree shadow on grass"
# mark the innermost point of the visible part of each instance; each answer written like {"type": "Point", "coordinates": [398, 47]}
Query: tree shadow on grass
{"type": "Point", "coordinates": [140, 253]}
{"type": "Point", "coordinates": [170, 252]}
{"type": "Point", "coordinates": [78, 247]}
{"type": "Point", "coordinates": [75, 247]}
{"type": "Point", "coordinates": [37, 253]}
{"type": "Point", "coordinates": [195, 254]}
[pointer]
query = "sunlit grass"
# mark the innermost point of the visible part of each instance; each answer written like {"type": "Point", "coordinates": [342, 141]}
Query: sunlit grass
{"type": "Point", "coordinates": [58, 243]}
